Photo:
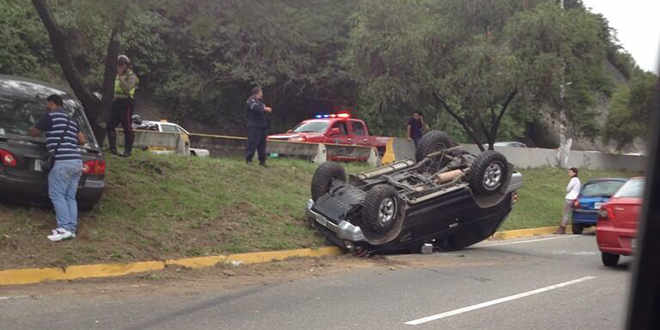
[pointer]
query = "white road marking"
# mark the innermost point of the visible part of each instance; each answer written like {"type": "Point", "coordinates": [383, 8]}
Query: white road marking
{"type": "Point", "coordinates": [527, 241]}
{"type": "Point", "coordinates": [496, 301]}
{"type": "Point", "coordinates": [14, 297]}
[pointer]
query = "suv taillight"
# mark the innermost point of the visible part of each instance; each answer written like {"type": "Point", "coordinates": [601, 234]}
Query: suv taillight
{"type": "Point", "coordinates": [7, 158]}
{"type": "Point", "coordinates": [95, 167]}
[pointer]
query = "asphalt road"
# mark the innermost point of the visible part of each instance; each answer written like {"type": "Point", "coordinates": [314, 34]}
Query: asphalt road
{"type": "Point", "coordinates": [555, 282]}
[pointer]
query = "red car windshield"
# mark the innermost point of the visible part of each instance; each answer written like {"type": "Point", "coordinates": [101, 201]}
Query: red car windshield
{"type": "Point", "coordinates": [632, 188]}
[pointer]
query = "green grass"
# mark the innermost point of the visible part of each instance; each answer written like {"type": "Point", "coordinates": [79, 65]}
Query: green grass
{"type": "Point", "coordinates": [160, 207]}
{"type": "Point", "coordinates": [542, 196]}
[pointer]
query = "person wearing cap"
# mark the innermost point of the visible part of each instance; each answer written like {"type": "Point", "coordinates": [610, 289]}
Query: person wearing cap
{"type": "Point", "coordinates": [122, 106]}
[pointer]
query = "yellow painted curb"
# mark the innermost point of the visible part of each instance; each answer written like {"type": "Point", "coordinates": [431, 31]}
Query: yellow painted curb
{"type": "Point", "coordinates": [110, 270]}
{"type": "Point", "coordinates": [37, 275]}
{"type": "Point", "coordinates": [198, 262]}
{"type": "Point", "coordinates": [29, 275]}
{"type": "Point", "coordinates": [261, 257]}
{"type": "Point", "coordinates": [510, 234]}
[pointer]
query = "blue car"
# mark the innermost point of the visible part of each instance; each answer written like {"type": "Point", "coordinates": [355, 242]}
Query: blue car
{"type": "Point", "coordinates": [593, 195]}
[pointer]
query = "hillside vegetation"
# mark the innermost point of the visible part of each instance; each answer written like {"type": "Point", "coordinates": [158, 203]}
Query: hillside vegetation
{"type": "Point", "coordinates": [482, 70]}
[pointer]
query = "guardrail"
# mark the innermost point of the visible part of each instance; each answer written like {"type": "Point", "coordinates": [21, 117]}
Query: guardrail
{"type": "Point", "coordinates": [222, 145]}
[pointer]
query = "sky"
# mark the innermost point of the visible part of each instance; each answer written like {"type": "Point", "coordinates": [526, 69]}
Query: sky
{"type": "Point", "coordinates": [637, 23]}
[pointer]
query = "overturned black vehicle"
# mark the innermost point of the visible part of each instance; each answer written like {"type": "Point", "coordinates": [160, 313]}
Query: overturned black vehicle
{"type": "Point", "coordinates": [447, 197]}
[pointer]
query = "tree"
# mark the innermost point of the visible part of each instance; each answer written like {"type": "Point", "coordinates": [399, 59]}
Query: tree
{"type": "Point", "coordinates": [631, 110]}
{"type": "Point", "coordinates": [564, 54]}
{"type": "Point", "coordinates": [475, 59]}
{"type": "Point", "coordinates": [94, 108]}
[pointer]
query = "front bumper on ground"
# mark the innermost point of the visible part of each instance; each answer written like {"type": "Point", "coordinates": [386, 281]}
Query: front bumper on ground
{"type": "Point", "coordinates": [344, 229]}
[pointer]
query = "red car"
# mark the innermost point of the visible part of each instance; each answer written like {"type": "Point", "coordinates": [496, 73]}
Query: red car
{"type": "Point", "coordinates": [617, 222]}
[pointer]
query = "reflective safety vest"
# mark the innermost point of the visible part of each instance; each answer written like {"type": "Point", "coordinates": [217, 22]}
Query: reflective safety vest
{"type": "Point", "coordinates": [132, 80]}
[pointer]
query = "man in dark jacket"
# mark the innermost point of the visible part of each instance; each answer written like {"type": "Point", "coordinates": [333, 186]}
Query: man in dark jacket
{"type": "Point", "coordinates": [257, 126]}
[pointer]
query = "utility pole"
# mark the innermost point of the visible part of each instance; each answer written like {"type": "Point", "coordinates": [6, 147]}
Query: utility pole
{"type": "Point", "coordinates": [565, 142]}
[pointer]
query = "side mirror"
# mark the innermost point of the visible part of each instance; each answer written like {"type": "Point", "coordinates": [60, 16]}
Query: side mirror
{"type": "Point", "coordinates": [335, 131]}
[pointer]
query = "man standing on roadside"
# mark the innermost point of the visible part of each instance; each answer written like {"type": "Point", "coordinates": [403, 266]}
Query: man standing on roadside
{"type": "Point", "coordinates": [62, 140]}
{"type": "Point", "coordinates": [257, 124]}
{"type": "Point", "coordinates": [122, 106]}
{"type": "Point", "coordinates": [415, 127]}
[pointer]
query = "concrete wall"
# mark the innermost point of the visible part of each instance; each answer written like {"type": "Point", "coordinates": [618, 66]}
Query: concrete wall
{"type": "Point", "coordinates": [167, 141]}
{"type": "Point", "coordinates": [593, 160]}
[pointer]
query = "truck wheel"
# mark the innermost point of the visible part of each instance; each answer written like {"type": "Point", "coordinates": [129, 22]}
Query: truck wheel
{"type": "Point", "coordinates": [489, 173]}
{"type": "Point", "coordinates": [323, 177]}
{"type": "Point", "coordinates": [609, 259]}
{"type": "Point", "coordinates": [431, 142]}
{"type": "Point", "coordinates": [381, 208]}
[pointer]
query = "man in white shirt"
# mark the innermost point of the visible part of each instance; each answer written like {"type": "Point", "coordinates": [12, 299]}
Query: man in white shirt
{"type": "Point", "coordinates": [572, 192]}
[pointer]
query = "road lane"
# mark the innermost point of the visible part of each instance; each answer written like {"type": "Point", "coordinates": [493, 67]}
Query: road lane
{"type": "Point", "coordinates": [382, 297]}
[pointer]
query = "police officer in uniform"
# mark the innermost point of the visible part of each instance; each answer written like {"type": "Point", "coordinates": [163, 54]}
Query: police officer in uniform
{"type": "Point", "coordinates": [257, 126]}
{"type": "Point", "coordinates": [122, 106]}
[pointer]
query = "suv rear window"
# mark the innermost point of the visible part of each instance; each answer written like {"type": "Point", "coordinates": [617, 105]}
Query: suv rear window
{"type": "Point", "coordinates": [601, 188]}
{"type": "Point", "coordinates": [632, 188]}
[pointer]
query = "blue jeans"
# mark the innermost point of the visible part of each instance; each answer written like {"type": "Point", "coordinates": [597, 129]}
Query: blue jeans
{"type": "Point", "coordinates": [62, 187]}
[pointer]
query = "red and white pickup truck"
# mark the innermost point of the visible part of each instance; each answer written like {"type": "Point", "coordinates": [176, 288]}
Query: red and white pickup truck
{"type": "Point", "coordinates": [333, 129]}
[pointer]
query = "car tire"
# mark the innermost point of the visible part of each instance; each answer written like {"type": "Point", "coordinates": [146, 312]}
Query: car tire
{"type": "Point", "coordinates": [431, 142]}
{"type": "Point", "coordinates": [323, 177]}
{"type": "Point", "coordinates": [609, 259]}
{"type": "Point", "coordinates": [489, 173]}
{"type": "Point", "coordinates": [578, 228]}
{"type": "Point", "coordinates": [381, 209]}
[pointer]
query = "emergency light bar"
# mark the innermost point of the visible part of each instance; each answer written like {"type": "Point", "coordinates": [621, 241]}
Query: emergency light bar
{"type": "Point", "coordinates": [333, 115]}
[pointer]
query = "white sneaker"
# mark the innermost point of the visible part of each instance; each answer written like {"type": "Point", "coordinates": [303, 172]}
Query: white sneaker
{"type": "Point", "coordinates": [61, 234]}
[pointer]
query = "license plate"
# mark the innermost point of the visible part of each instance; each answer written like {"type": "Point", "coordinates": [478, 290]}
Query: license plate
{"type": "Point", "coordinates": [597, 206]}
{"type": "Point", "coordinates": [37, 165]}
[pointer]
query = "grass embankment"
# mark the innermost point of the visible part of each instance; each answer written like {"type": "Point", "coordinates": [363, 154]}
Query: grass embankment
{"type": "Point", "coordinates": [160, 207]}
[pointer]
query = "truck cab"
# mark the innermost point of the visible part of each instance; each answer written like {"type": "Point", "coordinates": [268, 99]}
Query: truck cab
{"type": "Point", "coordinates": [332, 129]}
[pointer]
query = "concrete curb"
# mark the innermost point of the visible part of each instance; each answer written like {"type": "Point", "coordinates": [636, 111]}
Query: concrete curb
{"type": "Point", "coordinates": [511, 234]}
{"type": "Point", "coordinates": [38, 275]}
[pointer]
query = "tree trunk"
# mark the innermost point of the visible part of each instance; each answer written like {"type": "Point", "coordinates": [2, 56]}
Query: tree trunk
{"type": "Point", "coordinates": [93, 107]}
{"type": "Point", "coordinates": [109, 80]}
{"type": "Point", "coordinates": [460, 121]}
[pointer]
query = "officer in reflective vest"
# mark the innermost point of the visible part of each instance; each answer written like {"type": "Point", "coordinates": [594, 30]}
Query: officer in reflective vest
{"type": "Point", "coordinates": [122, 106]}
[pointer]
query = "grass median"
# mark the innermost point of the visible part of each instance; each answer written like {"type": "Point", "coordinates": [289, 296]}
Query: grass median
{"type": "Point", "coordinates": [161, 207]}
